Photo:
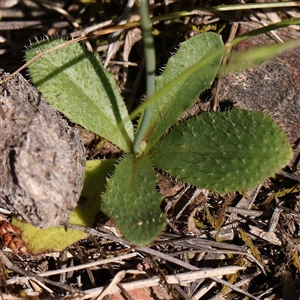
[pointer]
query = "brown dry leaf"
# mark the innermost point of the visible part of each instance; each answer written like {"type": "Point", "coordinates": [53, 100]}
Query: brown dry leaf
{"type": "Point", "coordinates": [168, 186]}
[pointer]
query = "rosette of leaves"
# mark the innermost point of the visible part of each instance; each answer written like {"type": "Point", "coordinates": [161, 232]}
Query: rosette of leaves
{"type": "Point", "coordinates": [221, 151]}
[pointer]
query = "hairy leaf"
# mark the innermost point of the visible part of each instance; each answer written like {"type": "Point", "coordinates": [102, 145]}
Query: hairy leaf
{"type": "Point", "coordinates": [168, 109]}
{"type": "Point", "coordinates": [256, 56]}
{"type": "Point", "coordinates": [75, 83]}
{"type": "Point", "coordinates": [224, 151]}
{"type": "Point", "coordinates": [132, 201]}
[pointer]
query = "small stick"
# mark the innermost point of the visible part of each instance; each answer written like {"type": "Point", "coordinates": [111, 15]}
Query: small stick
{"type": "Point", "coordinates": [33, 276]}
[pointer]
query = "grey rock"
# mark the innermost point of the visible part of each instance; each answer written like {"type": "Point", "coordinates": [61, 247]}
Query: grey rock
{"type": "Point", "coordinates": [42, 159]}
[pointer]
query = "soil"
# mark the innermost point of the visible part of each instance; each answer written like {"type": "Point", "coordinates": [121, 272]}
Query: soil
{"type": "Point", "coordinates": [257, 231]}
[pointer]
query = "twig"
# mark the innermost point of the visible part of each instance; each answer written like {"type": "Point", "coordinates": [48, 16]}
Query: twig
{"type": "Point", "coordinates": [235, 288]}
{"type": "Point", "coordinates": [244, 212]}
{"type": "Point", "coordinates": [88, 265]}
{"type": "Point", "coordinates": [167, 257]}
{"type": "Point", "coordinates": [113, 285]}
{"type": "Point", "coordinates": [288, 175]}
{"type": "Point", "coordinates": [114, 37]}
{"type": "Point", "coordinates": [51, 5]}
{"type": "Point", "coordinates": [180, 279]}
{"type": "Point", "coordinates": [33, 276]}
{"type": "Point", "coordinates": [163, 255]}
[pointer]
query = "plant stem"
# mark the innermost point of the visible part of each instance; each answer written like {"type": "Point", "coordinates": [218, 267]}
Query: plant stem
{"type": "Point", "coordinates": [150, 73]}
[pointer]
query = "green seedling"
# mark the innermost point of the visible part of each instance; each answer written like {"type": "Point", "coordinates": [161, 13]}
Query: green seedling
{"type": "Point", "coordinates": [221, 151]}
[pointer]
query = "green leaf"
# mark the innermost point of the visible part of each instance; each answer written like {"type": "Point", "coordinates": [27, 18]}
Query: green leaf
{"type": "Point", "coordinates": [48, 239]}
{"type": "Point", "coordinates": [96, 174]}
{"type": "Point", "coordinates": [57, 238]}
{"type": "Point", "coordinates": [75, 83]}
{"type": "Point", "coordinates": [256, 56]}
{"type": "Point", "coordinates": [173, 103]}
{"type": "Point", "coordinates": [132, 201]}
{"type": "Point", "coordinates": [225, 151]}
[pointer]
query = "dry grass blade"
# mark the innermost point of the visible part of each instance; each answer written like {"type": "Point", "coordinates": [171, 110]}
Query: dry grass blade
{"type": "Point", "coordinates": [60, 10]}
{"type": "Point", "coordinates": [112, 286]}
{"type": "Point", "coordinates": [180, 279]}
{"type": "Point", "coordinates": [33, 276]}
{"type": "Point", "coordinates": [89, 265]}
